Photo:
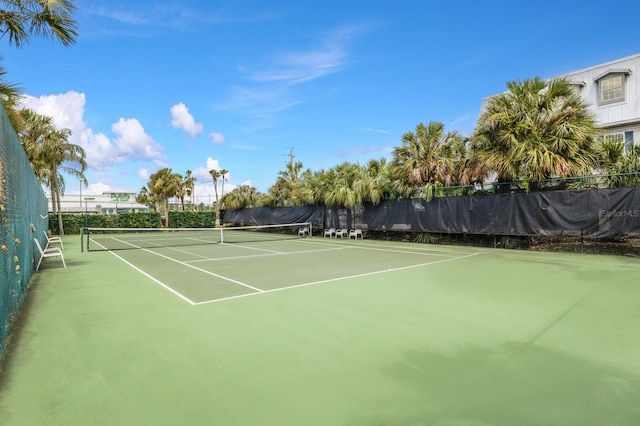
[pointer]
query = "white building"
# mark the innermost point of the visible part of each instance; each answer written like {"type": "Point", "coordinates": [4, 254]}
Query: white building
{"type": "Point", "coordinates": [613, 92]}
{"type": "Point", "coordinates": [110, 202]}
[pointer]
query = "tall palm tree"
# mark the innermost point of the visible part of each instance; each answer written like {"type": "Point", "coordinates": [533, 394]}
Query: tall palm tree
{"type": "Point", "coordinates": [163, 185]}
{"type": "Point", "coordinates": [215, 175]}
{"type": "Point", "coordinates": [46, 18]}
{"type": "Point", "coordinates": [223, 176]}
{"type": "Point", "coordinates": [537, 130]}
{"type": "Point", "coordinates": [189, 184]}
{"type": "Point", "coordinates": [61, 156]}
{"type": "Point", "coordinates": [181, 192]}
{"type": "Point", "coordinates": [50, 153]}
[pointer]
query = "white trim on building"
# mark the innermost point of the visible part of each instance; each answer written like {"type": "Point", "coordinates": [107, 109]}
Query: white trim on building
{"type": "Point", "coordinates": [110, 202]}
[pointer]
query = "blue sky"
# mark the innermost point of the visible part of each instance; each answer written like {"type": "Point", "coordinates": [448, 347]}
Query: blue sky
{"type": "Point", "coordinates": [202, 84]}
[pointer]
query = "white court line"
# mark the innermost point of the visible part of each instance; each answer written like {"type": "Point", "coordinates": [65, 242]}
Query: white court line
{"type": "Point", "coordinates": [424, 253]}
{"type": "Point", "coordinates": [248, 256]}
{"type": "Point", "coordinates": [208, 259]}
{"type": "Point", "coordinates": [360, 243]}
{"type": "Point", "coordinates": [416, 250]}
{"type": "Point", "coordinates": [182, 263]}
{"type": "Point", "coordinates": [258, 249]}
{"type": "Point", "coordinates": [336, 279]}
{"type": "Point", "coordinates": [205, 271]}
{"type": "Point", "coordinates": [186, 299]}
{"type": "Point", "coordinates": [189, 253]}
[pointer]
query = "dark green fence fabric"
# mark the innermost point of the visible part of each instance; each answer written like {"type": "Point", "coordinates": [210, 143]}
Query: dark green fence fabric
{"type": "Point", "coordinates": [612, 214]}
{"type": "Point", "coordinates": [23, 213]}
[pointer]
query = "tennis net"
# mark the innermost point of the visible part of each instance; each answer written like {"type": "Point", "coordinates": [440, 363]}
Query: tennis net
{"type": "Point", "coordinates": [101, 239]}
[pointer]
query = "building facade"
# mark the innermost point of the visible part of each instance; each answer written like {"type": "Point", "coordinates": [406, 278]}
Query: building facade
{"type": "Point", "coordinates": [107, 203]}
{"type": "Point", "coordinates": [612, 90]}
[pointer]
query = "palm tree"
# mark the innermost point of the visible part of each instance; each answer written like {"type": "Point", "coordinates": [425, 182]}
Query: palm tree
{"type": "Point", "coordinates": [244, 196]}
{"type": "Point", "coordinates": [619, 168]}
{"type": "Point", "coordinates": [163, 185]}
{"type": "Point", "coordinates": [61, 155]}
{"type": "Point", "coordinates": [19, 19]}
{"type": "Point", "coordinates": [144, 196]}
{"type": "Point", "coordinates": [9, 94]}
{"type": "Point", "coordinates": [189, 184]}
{"type": "Point", "coordinates": [50, 153]}
{"type": "Point", "coordinates": [347, 190]}
{"type": "Point", "coordinates": [49, 19]}
{"type": "Point", "coordinates": [291, 187]}
{"type": "Point", "coordinates": [376, 181]}
{"type": "Point", "coordinates": [535, 131]}
{"type": "Point", "coordinates": [427, 158]}
{"type": "Point", "coordinates": [223, 175]}
{"type": "Point", "coordinates": [215, 175]}
{"type": "Point", "coordinates": [181, 192]}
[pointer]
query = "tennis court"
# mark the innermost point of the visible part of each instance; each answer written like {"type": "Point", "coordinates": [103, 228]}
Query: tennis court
{"type": "Point", "coordinates": [197, 269]}
{"type": "Point", "coordinates": [316, 331]}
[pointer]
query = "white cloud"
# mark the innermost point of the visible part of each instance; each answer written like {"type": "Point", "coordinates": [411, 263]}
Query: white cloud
{"type": "Point", "coordinates": [202, 173]}
{"type": "Point", "coordinates": [144, 174]}
{"type": "Point", "coordinates": [100, 152]}
{"type": "Point", "coordinates": [133, 142]}
{"type": "Point", "coordinates": [213, 164]}
{"type": "Point", "coordinates": [67, 111]}
{"type": "Point", "coordinates": [216, 138]}
{"type": "Point", "coordinates": [182, 119]}
{"type": "Point", "coordinates": [298, 67]}
{"type": "Point", "coordinates": [368, 129]}
{"type": "Point", "coordinates": [97, 189]}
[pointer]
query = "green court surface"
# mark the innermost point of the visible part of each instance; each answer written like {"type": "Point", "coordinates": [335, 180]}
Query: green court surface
{"type": "Point", "coordinates": [326, 332]}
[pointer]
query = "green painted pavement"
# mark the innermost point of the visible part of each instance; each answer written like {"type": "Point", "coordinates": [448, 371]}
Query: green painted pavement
{"type": "Point", "coordinates": [501, 338]}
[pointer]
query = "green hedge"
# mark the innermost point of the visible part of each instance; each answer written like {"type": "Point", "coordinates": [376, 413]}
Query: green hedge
{"type": "Point", "coordinates": [181, 219]}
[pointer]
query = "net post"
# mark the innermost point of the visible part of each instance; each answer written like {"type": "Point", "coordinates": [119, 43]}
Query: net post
{"type": "Point", "coordinates": [82, 239]}
{"type": "Point", "coordinates": [310, 230]}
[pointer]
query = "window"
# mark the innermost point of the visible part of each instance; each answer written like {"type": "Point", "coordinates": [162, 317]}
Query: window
{"type": "Point", "coordinates": [612, 88]}
{"type": "Point", "coordinates": [576, 87]}
{"type": "Point", "coordinates": [613, 138]}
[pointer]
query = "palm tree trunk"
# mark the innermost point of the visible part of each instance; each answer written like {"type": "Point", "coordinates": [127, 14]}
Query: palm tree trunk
{"type": "Point", "coordinates": [165, 219]}
{"type": "Point", "coordinates": [56, 206]}
{"type": "Point", "coordinates": [215, 187]}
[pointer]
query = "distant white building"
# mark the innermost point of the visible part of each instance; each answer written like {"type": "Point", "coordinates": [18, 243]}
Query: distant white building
{"type": "Point", "coordinates": [613, 92]}
{"type": "Point", "coordinates": [110, 202]}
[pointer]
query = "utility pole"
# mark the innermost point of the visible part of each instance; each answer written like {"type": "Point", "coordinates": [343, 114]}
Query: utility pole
{"type": "Point", "coordinates": [291, 157]}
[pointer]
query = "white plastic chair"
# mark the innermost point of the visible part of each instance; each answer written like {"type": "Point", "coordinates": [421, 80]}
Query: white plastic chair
{"type": "Point", "coordinates": [52, 240]}
{"type": "Point", "coordinates": [303, 231]}
{"type": "Point", "coordinates": [355, 233]}
{"type": "Point", "coordinates": [330, 232]}
{"type": "Point", "coordinates": [49, 252]}
{"type": "Point", "coordinates": [341, 233]}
